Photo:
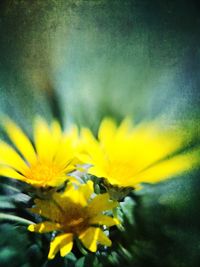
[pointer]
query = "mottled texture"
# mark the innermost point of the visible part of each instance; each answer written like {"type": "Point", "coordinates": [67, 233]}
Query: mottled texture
{"type": "Point", "coordinates": [81, 60]}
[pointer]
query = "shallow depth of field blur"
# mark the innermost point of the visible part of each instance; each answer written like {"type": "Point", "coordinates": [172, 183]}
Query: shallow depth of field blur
{"type": "Point", "coordinates": [80, 61]}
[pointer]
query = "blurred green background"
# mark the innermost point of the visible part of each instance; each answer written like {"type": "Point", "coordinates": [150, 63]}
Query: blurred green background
{"type": "Point", "coordinates": [82, 60]}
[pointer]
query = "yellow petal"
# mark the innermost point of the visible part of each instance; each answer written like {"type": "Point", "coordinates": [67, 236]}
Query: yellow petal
{"type": "Point", "coordinates": [62, 242]}
{"type": "Point", "coordinates": [58, 180]}
{"type": "Point", "coordinates": [87, 189]}
{"type": "Point", "coordinates": [87, 138]}
{"type": "Point", "coordinates": [168, 168]}
{"type": "Point", "coordinates": [56, 130]}
{"type": "Point", "coordinates": [48, 209]}
{"type": "Point", "coordinates": [124, 129]}
{"type": "Point", "coordinates": [101, 219]}
{"type": "Point", "coordinates": [101, 203]}
{"type": "Point", "coordinates": [77, 197]}
{"type": "Point", "coordinates": [9, 172]}
{"type": "Point", "coordinates": [44, 141]}
{"type": "Point", "coordinates": [78, 194]}
{"type": "Point", "coordinates": [51, 144]}
{"type": "Point", "coordinates": [98, 170]}
{"type": "Point", "coordinates": [89, 238]}
{"type": "Point", "coordinates": [107, 130]}
{"type": "Point", "coordinates": [20, 140]}
{"type": "Point", "coordinates": [92, 236]}
{"type": "Point", "coordinates": [66, 247]}
{"type": "Point", "coordinates": [150, 142]}
{"type": "Point", "coordinates": [9, 157]}
{"type": "Point", "coordinates": [67, 150]}
{"type": "Point", "coordinates": [73, 134]}
{"type": "Point", "coordinates": [44, 227]}
{"type": "Point", "coordinates": [103, 239]}
{"type": "Point", "coordinates": [92, 152]}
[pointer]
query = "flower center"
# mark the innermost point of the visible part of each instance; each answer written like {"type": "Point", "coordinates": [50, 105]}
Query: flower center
{"type": "Point", "coordinates": [76, 219]}
{"type": "Point", "coordinates": [43, 172]}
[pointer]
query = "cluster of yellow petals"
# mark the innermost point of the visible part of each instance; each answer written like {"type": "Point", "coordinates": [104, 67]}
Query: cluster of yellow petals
{"type": "Point", "coordinates": [128, 156]}
{"type": "Point", "coordinates": [44, 164]}
{"type": "Point", "coordinates": [124, 156]}
{"type": "Point", "coordinates": [76, 213]}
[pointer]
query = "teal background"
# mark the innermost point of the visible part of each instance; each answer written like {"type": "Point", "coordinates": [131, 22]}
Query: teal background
{"type": "Point", "coordinates": [81, 60]}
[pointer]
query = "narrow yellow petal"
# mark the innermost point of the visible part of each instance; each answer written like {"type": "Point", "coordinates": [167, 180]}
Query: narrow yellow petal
{"type": "Point", "coordinates": [87, 138]}
{"type": "Point", "coordinates": [92, 236]}
{"type": "Point", "coordinates": [124, 129]}
{"type": "Point", "coordinates": [44, 227]}
{"type": "Point", "coordinates": [20, 140]}
{"type": "Point", "coordinates": [48, 209]}
{"type": "Point", "coordinates": [89, 238]}
{"type": "Point", "coordinates": [98, 170]}
{"type": "Point", "coordinates": [10, 157]}
{"type": "Point", "coordinates": [56, 130]}
{"type": "Point", "coordinates": [11, 173]}
{"type": "Point", "coordinates": [101, 219]}
{"type": "Point", "coordinates": [73, 134]}
{"type": "Point", "coordinates": [66, 246]}
{"type": "Point", "coordinates": [107, 130]}
{"type": "Point", "coordinates": [58, 180]}
{"type": "Point", "coordinates": [78, 194]}
{"type": "Point", "coordinates": [87, 189]}
{"type": "Point", "coordinates": [43, 140]}
{"type": "Point", "coordinates": [66, 151]}
{"type": "Point", "coordinates": [91, 150]}
{"type": "Point", "coordinates": [103, 239]}
{"type": "Point", "coordinates": [87, 135]}
{"type": "Point", "coordinates": [101, 203]}
{"type": "Point", "coordinates": [168, 168]}
{"type": "Point", "coordinates": [150, 142]}
{"type": "Point", "coordinates": [62, 242]}
{"type": "Point", "coordinates": [77, 197]}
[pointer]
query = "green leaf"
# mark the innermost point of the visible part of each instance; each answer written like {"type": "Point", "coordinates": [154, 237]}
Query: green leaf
{"type": "Point", "coordinates": [14, 218]}
{"type": "Point", "coordinates": [6, 203]}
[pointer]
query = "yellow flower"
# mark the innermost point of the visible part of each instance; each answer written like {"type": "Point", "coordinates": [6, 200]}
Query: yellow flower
{"type": "Point", "coordinates": [127, 156]}
{"type": "Point", "coordinates": [76, 213]}
{"type": "Point", "coordinates": [43, 165]}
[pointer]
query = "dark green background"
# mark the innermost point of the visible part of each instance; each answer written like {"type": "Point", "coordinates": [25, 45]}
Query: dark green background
{"type": "Point", "coordinates": [81, 60]}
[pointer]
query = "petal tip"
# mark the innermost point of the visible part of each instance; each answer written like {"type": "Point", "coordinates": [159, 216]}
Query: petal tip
{"type": "Point", "coordinates": [31, 228]}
